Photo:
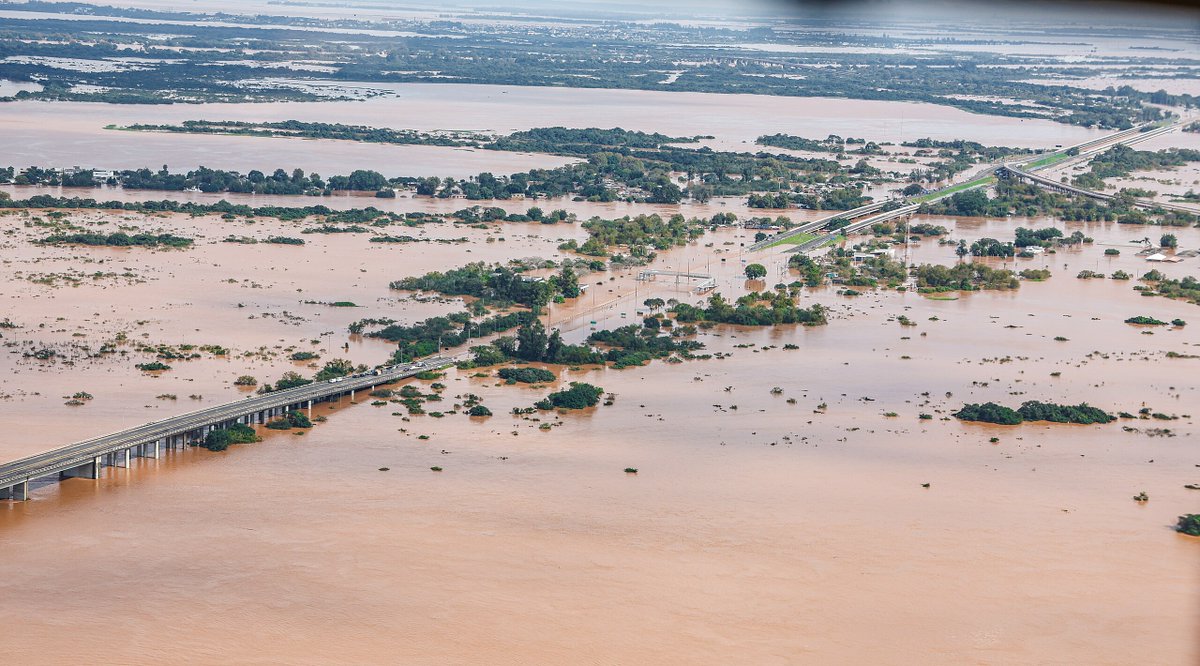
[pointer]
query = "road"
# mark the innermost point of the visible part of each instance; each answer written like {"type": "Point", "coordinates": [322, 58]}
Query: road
{"type": "Point", "coordinates": [253, 408]}
{"type": "Point", "coordinates": [1058, 186]}
{"type": "Point", "coordinates": [983, 178]}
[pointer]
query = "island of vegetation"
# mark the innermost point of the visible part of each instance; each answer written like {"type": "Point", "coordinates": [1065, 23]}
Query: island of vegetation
{"type": "Point", "coordinates": [1032, 410]}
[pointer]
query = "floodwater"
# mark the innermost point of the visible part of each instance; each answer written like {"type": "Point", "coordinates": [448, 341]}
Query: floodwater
{"type": "Point", "coordinates": [769, 532]}
{"type": "Point", "coordinates": [1179, 86]}
{"type": "Point", "coordinates": [9, 88]}
{"type": "Point", "coordinates": [406, 202]}
{"type": "Point", "coordinates": [58, 134]}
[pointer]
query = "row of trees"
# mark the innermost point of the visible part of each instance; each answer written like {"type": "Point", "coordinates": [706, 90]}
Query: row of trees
{"type": "Point", "coordinates": [205, 180]}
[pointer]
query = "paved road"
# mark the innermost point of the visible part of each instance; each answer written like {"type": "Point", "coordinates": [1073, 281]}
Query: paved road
{"type": "Point", "coordinates": [1129, 136]}
{"type": "Point", "coordinates": [81, 453]}
{"type": "Point", "coordinates": [816, 224]}
{"type": "Point", "coordinates": [1053, 184]}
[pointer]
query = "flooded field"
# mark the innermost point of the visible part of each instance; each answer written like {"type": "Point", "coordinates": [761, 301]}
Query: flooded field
{"type": "Point", "coordinates": [58, 134]}
{"type": "Point", "coordinates": [1179, 86]}
{"type": "Point", "coordinates": [756, 529]}
{"type": "Point", "coordinates": [792, 495]}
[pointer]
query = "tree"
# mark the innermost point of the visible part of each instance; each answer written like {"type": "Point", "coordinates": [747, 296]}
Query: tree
{"type": "Point", "coordinates": [912, 189]}
{"type": "Point", "coordinates": [487, 355]}
{"type": "Point", "coordinates": [970, 203]}
{"type": "Point", "coordinates": [507, 345]}
{"type": "Point", "coordinates": [756, 272]}
{"type": "Point", "coordinates": [532, 341]}
{"type": "Point", "coordinates": [428, 186]}
{"type": "Point", "coordinates": [291, 379]}
{"type": "Point", "coordinates": [338, 367]}
{"type": "Point", "coordinates": [1168, 240]}
{"type": "Point", "coordinates": [362, 179]}
{"type": "Point", "coordinates": [568, 282]}
{"type": "Point", "coordinates": [554, 347]}
{"type": "Point", "coordinates": [579, 396]}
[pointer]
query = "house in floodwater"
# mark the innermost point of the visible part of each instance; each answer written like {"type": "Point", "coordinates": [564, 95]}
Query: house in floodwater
{"type": "Point", "coordinates": [860, 257]}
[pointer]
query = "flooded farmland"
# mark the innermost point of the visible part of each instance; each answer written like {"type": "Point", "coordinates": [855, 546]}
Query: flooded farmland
{"type": "Point", "coordinates": [53, 134]}
{"type": "Point", "coordinates": [528, 532]}
{"type": "Point", "coordinates": [761, 492]}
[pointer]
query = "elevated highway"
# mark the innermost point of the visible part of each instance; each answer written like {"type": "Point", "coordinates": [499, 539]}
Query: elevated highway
{"type": "Point", "coordinates": [1015, 172]}
{"type": "Point", "coordinates": [88, 458]}
{"type": "Point", "coordinates": [984, 178]}
{"type": "Point", "coordinates": [814, 225]}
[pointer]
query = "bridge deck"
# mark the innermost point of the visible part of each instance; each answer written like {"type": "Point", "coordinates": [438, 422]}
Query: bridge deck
{"type": "Point", "coordinates": [86, 452]}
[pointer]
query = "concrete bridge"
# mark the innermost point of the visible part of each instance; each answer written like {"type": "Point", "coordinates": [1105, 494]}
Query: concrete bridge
{"type": "Point", "coordinates": [1012, 171]}
{"type": "Point", "coordinates": [808, 227]}
{"type": "Point", "coordinates": [88, 458]}
{"type": "Point", "coordinates": [981, 179]}
{"type": "Point", "coordinates": [886, 216]}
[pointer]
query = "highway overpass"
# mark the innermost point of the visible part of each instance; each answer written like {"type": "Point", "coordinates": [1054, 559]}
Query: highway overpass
{"type": "Point", "coordinates": [820, 223]}
{"type": "Point", "coordinates": [1016, 172]}
{"type": "Point", "coordinates": [980, 179]}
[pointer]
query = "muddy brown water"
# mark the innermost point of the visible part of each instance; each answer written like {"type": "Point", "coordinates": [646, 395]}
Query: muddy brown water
{"type": "Point", "coordinates": [58, 134]}
{"type": "Point", "coordinates": [769, 533]}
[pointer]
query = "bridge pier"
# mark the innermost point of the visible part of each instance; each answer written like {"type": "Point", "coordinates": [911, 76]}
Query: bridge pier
{"type": "Point", "coordinates": [310, 409]}
{"type": "Point", "coordinates": [17, 493]}
{"type": "Point", "coordinates": [148, 450]}
{"type": "Point", "coordinates": [88, 470]}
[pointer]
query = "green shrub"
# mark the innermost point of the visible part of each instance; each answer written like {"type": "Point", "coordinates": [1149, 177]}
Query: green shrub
{"type": "Point", "coordinates": [988, 412]}
{"type": "Point", "coordinates": [290, 420]}
{"type": "Point", "coordinates": [526, 375]}
{"type": "Point", "coordinates": [219, 440]}
{"type": "Point", "coordinates": [1189, 524]}
{"type": "Point", "coordinates": [579, 396]}
{"type": "Point", "coordinates": [1145, 321]}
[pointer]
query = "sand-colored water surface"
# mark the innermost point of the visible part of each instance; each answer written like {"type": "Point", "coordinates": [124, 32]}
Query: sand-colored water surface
{"type": "Point", "coordinates": [769, 532]}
